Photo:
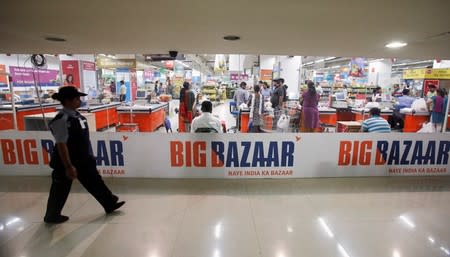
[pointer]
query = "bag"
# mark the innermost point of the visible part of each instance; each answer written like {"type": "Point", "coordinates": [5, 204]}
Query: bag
{"type": "Point", "coordinates": [419, 105]}
{"type": "Point", "coordinates": [426, 128]}
{"type": "Point", "coordinates": [283, 122]}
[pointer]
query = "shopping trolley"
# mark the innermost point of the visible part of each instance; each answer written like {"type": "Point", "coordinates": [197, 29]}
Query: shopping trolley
{"type": "Point", "coordinates": [282, 120]}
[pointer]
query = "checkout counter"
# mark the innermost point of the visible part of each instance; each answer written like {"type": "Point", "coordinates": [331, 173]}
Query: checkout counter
{"type": "Point", "coordinates": [105, 114]}
{"type": "Point", "coordinates": [22, 110]}
{"type": "Point", "coordinates": [364, 113]}
{"type": "Point", "coordinates": [35, 122]}
{"type": "Point", "coordinates": [147, 118]}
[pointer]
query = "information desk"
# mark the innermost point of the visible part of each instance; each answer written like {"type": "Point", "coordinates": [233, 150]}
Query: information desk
{"type": "Point", "coordinates": [364, 113]}
{"type": "Point", "coordinates": [6, 114]}
{"type": "Point", "coordinates": [105, 114]}
{"type": "Point", "coordinates": [413, 121]}
{"type": "Point", "coordinates": [327, 116]}
{"type": "Point", "coordinates": [148, 117]}
{"type": "Point", "coordinates": [35, 122]}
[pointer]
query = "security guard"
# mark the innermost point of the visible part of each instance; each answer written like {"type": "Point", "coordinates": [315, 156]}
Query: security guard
{"type": "Point", "coordinates": [72, 158]}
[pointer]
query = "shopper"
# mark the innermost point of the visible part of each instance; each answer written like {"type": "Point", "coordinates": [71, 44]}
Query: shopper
{"type": "Point", "coordinates": [310, 112]}
{"type": "Point", "coordinates": [277, 102]}
{"type": "Point", "coordinates": [375, 123]}
{"type": "Point", "coordinates": [405, 101]}
{"type": "Point", "coordinates": [72, 158]}
{"type": "Point", "coordinates": [376, 96]}
{"type": "Point", "coordinates": [241, 95]}
{"type": "Point", "coordinates": [438, 110]}
{"type": "Point", "coordinates": [265, 91]}
{"type": "Point", "coordinates": [187, 106]}
{"type": "Point", "coordinates": [112, 88]}
{"type": "Point", "coordinates": [285, 95]}
{"type": "Point", "coordinates": [123, 91]}
{"type": "Point", "coordinates": [397, 92]}
{"type": "Point", "coordinates": [277, 95]}
{"type": "Point", "coordinates": [206, 122]}
{"type": "Point", "coordinates": [256, 110]}
{"type": "Point", "coordinates": [156, 87]}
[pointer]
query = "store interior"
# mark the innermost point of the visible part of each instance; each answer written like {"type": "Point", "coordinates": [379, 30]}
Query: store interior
{"type": "Point", "coordinates": [153, 82]}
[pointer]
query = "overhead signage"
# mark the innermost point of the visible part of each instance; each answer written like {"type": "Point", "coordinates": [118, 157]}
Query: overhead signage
{"type": "Point", "coordinates": [297, 155]}
{"type": "Point", "coordinates": [107, 63]}
{"type": "Point", "coordinates": [426, 74]}
{"type": "Point", "coordinates": [266, 75]}
{"type": "Point", "coordinates": [22, 77]}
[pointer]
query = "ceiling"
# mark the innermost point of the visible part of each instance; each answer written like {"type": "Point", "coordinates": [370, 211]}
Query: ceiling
{"type": "Point", "coordinates": [286, 27]}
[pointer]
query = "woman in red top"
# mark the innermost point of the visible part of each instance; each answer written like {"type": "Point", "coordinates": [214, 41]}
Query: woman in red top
{"type": "Point", "coordinates": [187, 106]}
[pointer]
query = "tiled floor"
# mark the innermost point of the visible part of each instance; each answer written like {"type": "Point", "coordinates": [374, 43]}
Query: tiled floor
{"type": "Point", "coordinates": [237, 218]}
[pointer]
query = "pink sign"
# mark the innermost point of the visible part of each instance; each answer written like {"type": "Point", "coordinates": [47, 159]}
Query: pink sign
{"type": "Point", "coordinates": [22, 77]}
{"type": "Point", "coordinates": [89, 66]}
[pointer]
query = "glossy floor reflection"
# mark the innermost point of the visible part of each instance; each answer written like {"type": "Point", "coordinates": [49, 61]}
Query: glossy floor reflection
{"type": "Point", "coordinates": [347, 217]}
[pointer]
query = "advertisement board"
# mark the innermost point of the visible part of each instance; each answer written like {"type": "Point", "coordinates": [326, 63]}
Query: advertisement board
{"type": "Point", "coordinates": [71, 73]}
{"type": "Point", "coordinates": [25, 77]}
{"type": "Point", "coordinates": [426, 74]}
{"type": "Point", "coordinates": [286, 155]}
{"type": "Point", "coordinates": [3, 76]}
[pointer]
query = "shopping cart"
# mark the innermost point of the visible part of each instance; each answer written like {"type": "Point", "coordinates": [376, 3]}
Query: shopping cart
{"type": "Point", "coordinates": [284, 120]}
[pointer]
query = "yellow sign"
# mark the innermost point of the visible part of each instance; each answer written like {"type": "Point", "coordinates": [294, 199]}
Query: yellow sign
{"type": "Point", "coordinates": [107, 63]}
{"type": "Point", "coordinates": [426, 74]}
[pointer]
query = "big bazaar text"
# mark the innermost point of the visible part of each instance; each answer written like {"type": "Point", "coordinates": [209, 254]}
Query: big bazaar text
{"type": "Point", "coordinates": [33, 152]}
{"type": "Point", "coordinates": [406, 152]}
{"type": "Point", "coordinates": [232, 154]}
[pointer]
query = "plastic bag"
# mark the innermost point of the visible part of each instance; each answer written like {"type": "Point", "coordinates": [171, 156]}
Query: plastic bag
{"type": "Point", "coordinates": [283, 122]}
{"type": "Point", "coordinates": [426, 128]}
{"type": "Point", "coordinates": [419, 105]}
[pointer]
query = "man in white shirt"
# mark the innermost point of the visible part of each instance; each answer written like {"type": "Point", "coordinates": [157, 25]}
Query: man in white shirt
{"type": "Point", "coordinates": [123, 91]}
{"type": "Point", "coordinates": [206, 122]}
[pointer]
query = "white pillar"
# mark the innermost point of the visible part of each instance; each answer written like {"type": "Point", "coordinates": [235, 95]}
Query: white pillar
{"type": "Point", "coordinates": [290, 72]}
{"type": "Point", "coordinates": [380, 73]}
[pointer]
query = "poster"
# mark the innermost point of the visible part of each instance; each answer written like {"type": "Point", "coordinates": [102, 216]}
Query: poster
{"type": "Point", "coordinates": [237, 156]}
{"type": "Point", "coordinates": [25, 77]}
{"type": "Point", "coordinates": [89, 75]}
{"type": "Point", "coordinates": [71, 73]}
{"type": "Point", "coordinates": [357, 67]}
{"type": "Point", "coordinates": [148, 76]}
{"type": "Point", "coordinates": [266, 75]}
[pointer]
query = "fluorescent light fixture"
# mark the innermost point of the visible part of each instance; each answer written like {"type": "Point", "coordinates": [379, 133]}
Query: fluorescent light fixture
{"type": "Point", "coordinates": [445, 250]}
{"type": "Point", "coordinates": [396, 44]}
{"type": "Point", "coordinates": [319, 61]}
{"type": "Point", "coordinates": [325, 227]}
{"type": "Point", "coordinates": [216, 253]}
{"type": "Point", "coordinates": [377, 60]}
{"type": "Point", "coordinates": [290, 229]}
{"type": "Point", "coordinates": [12, 221]}
{"type": "Point", "coordinates": [396, 254]}
{"type": "Point", "coordinates": [431, 239]}
{"type": "Point", "coordinates": [218, 230]}
{"type": "Point", "coordinates": [330, 58]}
{"type": "Point", "coordinates": [407, 221]}
{"type": "Point", "coordinates": [2, 227]}
{"type": "Point", "coordinates": [342, 250]}
{"type": "Point", "coordinates": [412, 63]}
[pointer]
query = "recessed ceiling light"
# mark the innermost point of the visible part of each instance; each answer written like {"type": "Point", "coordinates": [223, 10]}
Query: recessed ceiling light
{"type": "Point", "coordinates": [231, 38]}
{"type": "Point", "coordinates": [396, 44]}
{"type": "Point", "coordinates": [55, 39]}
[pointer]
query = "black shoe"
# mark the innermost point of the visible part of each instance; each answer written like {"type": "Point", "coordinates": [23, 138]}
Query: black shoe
{"type": "Point", "coordinates": [115, 207]}
{"type": "Point", "coordinates": [115, 198]}
{"type": "Point", "coordinates": [56, 219]}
